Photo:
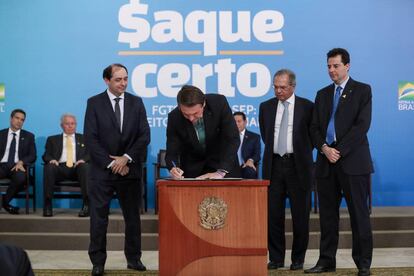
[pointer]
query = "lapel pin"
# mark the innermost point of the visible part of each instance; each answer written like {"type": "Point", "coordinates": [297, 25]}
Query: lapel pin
{"type": "Point", "coordinates": [344, 96]}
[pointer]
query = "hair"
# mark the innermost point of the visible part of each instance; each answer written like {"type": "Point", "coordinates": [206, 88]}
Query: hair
{"type": "Point", "coordinates": [190, 96]}
{"type": "Point", "coordinates": [289, 73]}
{"type": "Point", "coordinates": [17, 110]}
{"type": "Point", "coordinates": [339, 52]}
{"type": "Point", "coordinates": [239, 113]}
{"type": "Point", "coordinates": [64, 115]}
{"type": "Point", "coordinates": [107, 72]}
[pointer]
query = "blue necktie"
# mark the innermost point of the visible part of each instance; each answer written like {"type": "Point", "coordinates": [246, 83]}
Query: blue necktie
{"type": "Point", "coordinates": [330, 132]}
{"type": "Point", "coordinates": [12, 150]}
{"type": "Point", "coordinates": [283, 130]}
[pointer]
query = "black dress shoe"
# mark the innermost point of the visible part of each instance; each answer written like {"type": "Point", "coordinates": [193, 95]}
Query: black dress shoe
{"type": "Point", "coordinates": [296, 266]}
{"type": "Point", "coordinates": [320, 269]}
{"type": "Point", "coordinates": [136, 265]}
{"type": "Point", "coordinates": [48, 211]}
{"type": "Point", "coordinates": [274, 265]}
{"type": "Point", "coordinates": [364, 272]}
{"type": "Point", "coordinates": [97, 270]}
{"type": "Point", "coordinates": [84, 212]}
{"type": "Point", "coordinates": [11, 209]}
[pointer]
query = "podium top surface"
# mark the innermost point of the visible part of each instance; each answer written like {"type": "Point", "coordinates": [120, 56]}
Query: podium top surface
{"type": "Point", "coordinates": [234, 182]}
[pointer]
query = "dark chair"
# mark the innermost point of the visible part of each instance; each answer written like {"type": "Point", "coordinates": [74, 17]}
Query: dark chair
{"type": "Point", "coordinates": [161, 164]}
{"type": "Point", "coordinates": [29, 189]}
{"type": "Point", "coordinates": [67, 189]}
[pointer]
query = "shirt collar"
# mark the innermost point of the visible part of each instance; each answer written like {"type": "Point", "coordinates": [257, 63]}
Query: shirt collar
{"type": "Point", "coordinates": [243, 132]}
{"type": "Point", "coordinates": [342, 85]}
{"type": "Point", "coordinates": [69, 135]}
{"type": "Point", "coordinates": [17, 132]}
{"type": "Point", "coordinates": [290, 100]}
{"type": "Point", "coordinates": [112, 96]}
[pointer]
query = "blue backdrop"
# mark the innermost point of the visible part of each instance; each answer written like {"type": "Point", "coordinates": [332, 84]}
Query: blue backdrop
{"type": "Point", "coordinates": [53, 53]}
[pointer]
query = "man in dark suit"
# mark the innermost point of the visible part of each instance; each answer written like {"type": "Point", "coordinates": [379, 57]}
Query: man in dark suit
{"type": "Point", "coordinates": [65, 157]}
{"type": "Point", "coordinates": [202, 137]}
{"type": "Point", "coordinates": [249, 150]}
{"type": "Point", "coordinates": [17, 149]}
{"type": "Point", "coordinates": [116, 134]}
{"type": "Point", "coordinates": [339, 129]}
{"type": "Point", "coordinates": [14, 261]}
{"type": "Point", "coordinates": [287, 162]}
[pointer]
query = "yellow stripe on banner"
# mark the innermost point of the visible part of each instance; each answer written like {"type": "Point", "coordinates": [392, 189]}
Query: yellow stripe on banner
{"type": "Point", "coordinates": [159, 53]}
{"type": "Point", "coordinates": [252, 53]}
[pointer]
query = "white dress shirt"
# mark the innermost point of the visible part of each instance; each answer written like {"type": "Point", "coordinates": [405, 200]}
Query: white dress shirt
{"type": "Point", "coordinates": [9, 140]}
{"type": "Point", "coordinates": [278, 120]}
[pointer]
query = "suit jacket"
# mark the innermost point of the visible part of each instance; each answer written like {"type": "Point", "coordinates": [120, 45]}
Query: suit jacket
{"type": "Point", "coordinates": [103, 136]}
{"type": "Point", "coordinates": [54, 148]}
{"type": "Point", "coordinates": [222, 140]}
{"type": "Point", "coordinates": [301, 139]}
{"type": "Point", "coordinates": [27, 148]}
{"type": "Point", "coordinates": [352, 121]}
{"type": "Point", "coordinates": [251, 146]}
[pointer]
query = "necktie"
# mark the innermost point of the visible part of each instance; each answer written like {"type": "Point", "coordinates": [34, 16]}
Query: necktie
{"type": "Point", "coordinates": [239, 153]}
{"type": "Point", "coordinates": [69, 152]}
{"type": "Point", "coordinates": [330, 132]}
{"type": "Point", "coordinates": [199, 127]}
{"type": "Point", "coordinates": [118, 112]}
{"type": "Point", "coordinates": [282, 139]}
{"type": "Point", "coordinates": [12, 150]}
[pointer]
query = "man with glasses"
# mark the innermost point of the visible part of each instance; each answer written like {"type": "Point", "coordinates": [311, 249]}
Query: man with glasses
{"type": "Point", "coordinates": [202, 137]}
{"type": "Point", "coordinates": [287, 162]}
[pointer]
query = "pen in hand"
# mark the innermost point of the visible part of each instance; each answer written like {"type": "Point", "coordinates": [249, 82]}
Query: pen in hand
{"type": "Point", "coordinates": [176, 172]}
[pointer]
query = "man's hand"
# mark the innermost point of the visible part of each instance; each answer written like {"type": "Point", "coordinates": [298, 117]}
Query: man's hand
{"type": "Point", "coordinates": [54, 162]}
{"type": "Point", "coordinates": [124, 171]}
{"type": "Point", "coordinates": [332, 154]}
{"type": "Point", "coordinates": [249, 163]}
{"type": "Point", "coordinates": [79, 162]}
{"type": "Point", "coordinates": [177, 173]}
{"type": "Point", "coordinates": [214, 175]}
{"type": "Point", "coordinates": [18, 167]}
{"type": "Point", "coordinates": [119, 163]}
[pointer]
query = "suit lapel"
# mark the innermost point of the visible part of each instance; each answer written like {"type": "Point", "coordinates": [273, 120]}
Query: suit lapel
{"type": "Point", "coordinates": [297, 117]}
{"type": "Point", "coordinates": [59, 146]}
{"type": "Point", "coordinates": [272, 121]}
{"type": "Point", "coordinates": [22, 141]}
{"type": "Point", "coordinates": [77, 145]}
{"type": "Point", "coordinates": [346, 94]}
{"type": "Point", "coordinates": [3, 141]}
{"type": "Point", "coordinates": [127, 115]}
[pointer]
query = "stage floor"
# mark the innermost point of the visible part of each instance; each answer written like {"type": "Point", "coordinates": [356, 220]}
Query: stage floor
{"type": "Point", "coordinates": [62, 259]}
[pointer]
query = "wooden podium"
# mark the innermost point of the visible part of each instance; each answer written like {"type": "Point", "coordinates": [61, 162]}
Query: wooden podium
{"type": "Point", "coordinates": [212, 227]}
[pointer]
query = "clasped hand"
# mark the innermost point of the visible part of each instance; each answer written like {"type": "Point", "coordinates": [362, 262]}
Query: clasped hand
{"type": "Point", "coordinates": [119, 165]}
{"type": "Point", "coordinates": [18, 167]}
{"type": "Point", "coordinates": [332, 154]}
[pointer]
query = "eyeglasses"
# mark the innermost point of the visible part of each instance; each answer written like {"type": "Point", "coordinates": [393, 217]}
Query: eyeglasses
{"type": "Point", "coordinates": [283, 88]}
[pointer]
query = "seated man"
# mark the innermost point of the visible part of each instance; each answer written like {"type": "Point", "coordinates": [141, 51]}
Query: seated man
{"type": "Point", "coordinates": [17, 149]}
{"type": "Point", "coordinates": [249, 149]}
{"type": "Point", "coordinates": [65, 157]}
